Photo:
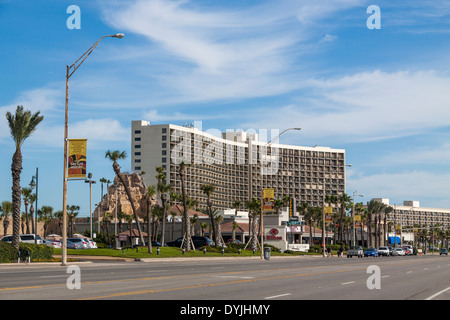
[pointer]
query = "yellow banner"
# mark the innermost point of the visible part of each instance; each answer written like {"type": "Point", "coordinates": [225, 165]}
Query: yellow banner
{"type": "Point", "coordinates": [268, 199]}
{"type": "Point", "coordinates": [77, 158]}
{"type": "Point", "coordinates": [328, 209]}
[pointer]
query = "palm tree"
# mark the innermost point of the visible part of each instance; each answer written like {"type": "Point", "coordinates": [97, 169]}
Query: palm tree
{"type": "Point", "coordinates": [26, 192]}
{"type": "Point", "coordinates": [6, 210]}
{"type": "Point", "coordinates": [373, 207]}
{"type": "Point", "coordinates": [236, 206]}
{"type": "Point", "coordinates": [45, 216]}
{"type": "Point", "coordinates": [72, 212]}
{"type": "Point", "coordinates": [187, 237]}
{"type": "Point", "coordinates": [32, 199]}
{"type": "Point", "coordinates": [162, 189]}
{"type": "Point", "coordinates": [233, 231]}
{"type": "Point", "coordinates": [21, 124]}
{"type": "Point", "coordinates": [219, 220]}
{"type": "Point", "coordinates": [114, 156]}
{"type": "Point", "coordinates": [150, 194]}
{"type": "Point", "coordinates": [208, 190]}
{"type": "Point", "coordinates": [344, 201]}
{"type": "Point", "coordinates": [59, 215]}
{"type": "Point", "coordinates": [254, 207]}
{"type": "Point", "coordinates": [387, 210]}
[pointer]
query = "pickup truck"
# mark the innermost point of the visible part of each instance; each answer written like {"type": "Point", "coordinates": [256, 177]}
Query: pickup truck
{"type": "Point", "coordinates": [355, 251]}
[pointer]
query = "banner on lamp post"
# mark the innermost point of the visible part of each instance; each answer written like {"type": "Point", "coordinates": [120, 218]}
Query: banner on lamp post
{"type": "Point", "coordinates": [77, 159]}
{"type": "Point", "coordinates": [268, 199]}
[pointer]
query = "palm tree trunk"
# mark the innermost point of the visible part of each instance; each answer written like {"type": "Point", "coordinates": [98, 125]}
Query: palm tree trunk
{"type": "Point", "coordinates": [16, 169]}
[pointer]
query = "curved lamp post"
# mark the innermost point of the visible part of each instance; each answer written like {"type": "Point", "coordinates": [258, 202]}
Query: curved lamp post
{"type": "Point", "coordinates": [70, 71]}
{"type": "Point", "coordinates": [262, 191]}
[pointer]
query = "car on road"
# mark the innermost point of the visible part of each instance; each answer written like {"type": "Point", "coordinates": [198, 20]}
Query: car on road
{"type": "Point", "coordinates": [91, 243]}
{"type": "Point", "coordinates": [384, 251]}
{"type": "Point", "coordinates": [400, 251]}
{"type": "Point", "coordinates": [355, 251]}
{"type": "Point", "coordinates": [408, 250]}
{"type": "Point", "coordinates": [443, 251]}
{"type": "Point", "coordinates": [52, 243]}
{"type": "Point", "coordinates": [371, 252]}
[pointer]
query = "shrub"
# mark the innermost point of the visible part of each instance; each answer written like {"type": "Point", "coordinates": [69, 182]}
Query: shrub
{"type": "Point", "coordinates": [7, 253]}
{"type": "Point", "coordinates": [38, 252]}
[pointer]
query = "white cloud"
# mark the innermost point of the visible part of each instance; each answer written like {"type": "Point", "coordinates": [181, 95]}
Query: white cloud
{"type": "Point", "coordinates": [364, 106]}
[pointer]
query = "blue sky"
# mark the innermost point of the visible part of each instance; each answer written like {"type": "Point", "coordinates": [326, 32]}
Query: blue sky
{"type": "Point", "coordinates": [382, 95]}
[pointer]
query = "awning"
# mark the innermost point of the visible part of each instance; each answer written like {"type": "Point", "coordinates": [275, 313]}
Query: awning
{"type": "Point", "coordinates": [394, 240]}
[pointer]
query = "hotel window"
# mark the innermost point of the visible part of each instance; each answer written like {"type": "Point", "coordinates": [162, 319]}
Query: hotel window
{"type": "Point", "coordinates": [137, 153]}
{"type": "Point", "coordinates": [137, 146]}
{"type": "Point", "coordinates": [137, 168]}
{"type": "Point", "coordinates": [137, 160]}
{"type": "Point", "coordinates": [137, 139]}
{"type": "Point", "coordinates": [164, 145]}
{"type": "Point", "coordinates": [164, 130]}
{"type": "Point", "coordinates": [137, 131]}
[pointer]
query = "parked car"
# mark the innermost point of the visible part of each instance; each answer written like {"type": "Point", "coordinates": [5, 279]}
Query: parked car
{"type": "Point", "coordinates": [384, 251]}
{"type": "Point", "coordinates": [52, 243]}
{"type": "Point", "coordinates": [355, 251]}
{"type": "Point", "coordinates": [27, 238]}
{"type": "Point", "coordinates": [91, 243]}
{"type": "Point", "coordinates": [371, 252]}
{"type": "Point", "coordinates": [400, 251]}
{"type": "Point", "coordinates": [84, 244]}
{"type": "Point", "coordinates": [74, 245]}
{"type": "Point", "coordinates": [391, 251]}
{"type": "Point", "coordinates": [408, 249]}
{"type": "Point", "coordinates": [443, 251]}
{"type": "Point", "coordinates": [198, 242]}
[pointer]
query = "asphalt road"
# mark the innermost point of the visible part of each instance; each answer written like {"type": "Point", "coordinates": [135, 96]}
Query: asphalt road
{"type": "Point", "coordinates": [235, 279]}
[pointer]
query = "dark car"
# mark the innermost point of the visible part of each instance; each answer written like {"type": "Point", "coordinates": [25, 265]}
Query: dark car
{"type": "Point", "coordinates": [198, 242]}
{"type": "Point", "coordinates": [443, 251]}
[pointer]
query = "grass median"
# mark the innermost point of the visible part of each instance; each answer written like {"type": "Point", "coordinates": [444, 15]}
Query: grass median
{"type": "Point", "coordinates": [164, 252]}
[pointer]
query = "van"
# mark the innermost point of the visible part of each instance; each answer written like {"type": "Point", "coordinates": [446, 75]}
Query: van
{"type": "Point", "coordinates": [27, 238]}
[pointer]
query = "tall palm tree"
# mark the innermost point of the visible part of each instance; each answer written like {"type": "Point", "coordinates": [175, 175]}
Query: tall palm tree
{"type": "Point", "coordinates": [114, 156]}
{"type": "Point", "coordinates": [45, 216]}
{"type": "Point", "coordinates": [72, 212]}
{"type": "Point", "coordinates": [32, 199]}
{"type": "Point", "coordinates": [254, 208]}
{"type": "Point", "coordinates": [162, 189]}
{"type": "Point", "coordinates": [26, 192]}
{"type": "Point", "coordinates": [344, 201]}
{"type": "Point", "coordinates": [6, 210]}
{"type": "Point", "coordinates": [387, 210]}
{"type": "Point", "coordinates": [187, 237]}
{"type": "Point", "coordinates": [236, 206]}
{"type": "Point", "coordinates": [21, 124]}
{"type": "Point", "coordinates": [59, 215]}
{"type": "Point", "coordinates": [373, 207]}
{"type": "Point", "coordinates": [150, 194]}
{"type": "Point", "coordinates": [208, 190]}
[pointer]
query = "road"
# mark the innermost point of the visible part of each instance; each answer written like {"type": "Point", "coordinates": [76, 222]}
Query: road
{"type": "Point", "coordinates": [235, 279]}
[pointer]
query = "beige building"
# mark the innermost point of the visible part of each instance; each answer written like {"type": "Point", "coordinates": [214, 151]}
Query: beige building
{"type": "Point", "coordinates": [236, 163]}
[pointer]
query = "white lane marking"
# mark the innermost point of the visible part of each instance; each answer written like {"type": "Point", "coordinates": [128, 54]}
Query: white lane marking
{"type": "Point", "coordinates": [437, 293]}
{"type": "Point", "coordinates": [239, 277]}
{"type": "Point", "coordinates": [280, 295]}
{"type": "Point", "coordinates": [347, 283]}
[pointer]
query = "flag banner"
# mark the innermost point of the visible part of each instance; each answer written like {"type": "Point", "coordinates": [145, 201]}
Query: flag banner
{"type": "Point", "coordinates": [357, 221]}
{"type": "Point", "coordinates": [77, 158]}
{"type": "Point", "coordinates": [268, 199]}
{"type": "Point", "coordinates": [329, 210]}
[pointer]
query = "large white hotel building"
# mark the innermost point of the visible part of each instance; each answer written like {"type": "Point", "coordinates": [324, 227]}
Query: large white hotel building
{"type": "Point", "coordinates": [236, 163]}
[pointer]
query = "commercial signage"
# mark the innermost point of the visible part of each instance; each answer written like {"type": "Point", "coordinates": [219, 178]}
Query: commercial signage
{"type": "Point", "coordinates": [268, 200]}
{"type": "Point", "coordinates": [292, 205]}
{"type": "Point", "coordinates": [357, 221]}
{"type": "Point", "coordinates": [77, 158]}
{"type": "Point", "coordinates": [273, 234]}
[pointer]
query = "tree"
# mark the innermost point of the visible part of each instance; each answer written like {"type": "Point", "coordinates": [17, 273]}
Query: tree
{"type": "Point", "coordinates": [45, 216]}
{"type": "Point", "coordinates": [114, 156]}
{"type": "Point", "coordinates": [26, 192]}
{"type": "Point", "coordinates": [162, 189]}
{"type": "Point", "coordinates": [344, 202]}
{"type": "Point", "coordinates": [208, 190]}
{"type": "Point", "coordinates": [72, 212]}
{"type": "Point", "coordinates": [21, 124]}
{"type": "Point", "coordinates": [387, 210]}
{"type": "Point", "coordinates": [254, 208]}
{"type": "Point", "coordinates": [32, 199]}
{"type": "Point", "coordinates": [6, 210]}
{"type": "Point", "coordinates": [187, 236]}
{"type": "Point", "coordinates": [373, 207]}
{"type": "Point", "coordinates": [150, 194]}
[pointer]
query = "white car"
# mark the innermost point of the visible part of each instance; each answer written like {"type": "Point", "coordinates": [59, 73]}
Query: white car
{"type": "Point", "coordinates": [27, 238]}
{"type": "Point", "coordinates": [79, 241]}
{"type": "Point", "coordinates": [383, 251]}
{"type": "Point", "coordinates": [91, 243]}
{"type": "Point", "coordinates": [400, 251]}
{"type": "Point", "coordinates": [52, 243]}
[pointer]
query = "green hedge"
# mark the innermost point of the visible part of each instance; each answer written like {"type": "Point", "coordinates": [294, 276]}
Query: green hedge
{"type": "Point", "coordinates": [37, 252]}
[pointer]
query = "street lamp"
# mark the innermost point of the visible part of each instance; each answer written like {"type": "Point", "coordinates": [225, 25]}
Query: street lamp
{"type": "Point", "coordinates": [70, 70]}
{"type": "Point", "coordinates": [88, 180]}
{"type": "Point", "coordinates": [262, 190]}
{"type": "Point", "coordinates": [34, 183]}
